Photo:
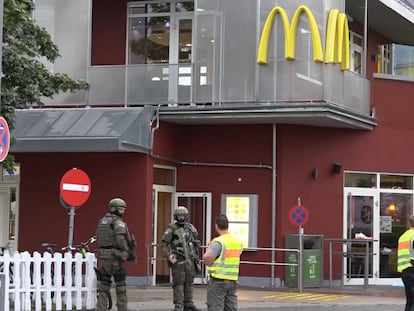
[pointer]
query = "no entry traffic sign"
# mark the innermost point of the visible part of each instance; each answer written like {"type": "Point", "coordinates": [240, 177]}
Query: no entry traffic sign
{"type": "Point", "coordinates": [75, 187]}
{"type": "Point", "coordinates": [298, 215]}
{"type": "Point", "coordinates": [4, 139]}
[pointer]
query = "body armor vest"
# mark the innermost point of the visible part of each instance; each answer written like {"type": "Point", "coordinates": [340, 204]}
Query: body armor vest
{"type": "Point", "coordinates": [105, 233]}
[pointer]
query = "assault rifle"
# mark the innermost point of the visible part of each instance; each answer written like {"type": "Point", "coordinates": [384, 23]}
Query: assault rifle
{"type": "Point", "coordinates": [132, 252]}
{"type": "Point", "coordinates": [193, 254]}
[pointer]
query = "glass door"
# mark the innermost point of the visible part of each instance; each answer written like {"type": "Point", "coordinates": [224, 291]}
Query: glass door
{"type": "Point", "coordinates": [395, 208]}
{"type": "Point", "coordinates": [180, 75]}
{"type": "Point", "coordinates": [361, 214]}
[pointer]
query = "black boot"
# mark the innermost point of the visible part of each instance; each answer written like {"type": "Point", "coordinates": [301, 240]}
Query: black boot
{"type": "Point", "coordinates": [191, 308]}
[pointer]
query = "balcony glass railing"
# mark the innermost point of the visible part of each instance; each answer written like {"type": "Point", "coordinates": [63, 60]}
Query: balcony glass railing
{"type": "Point", "coordinates": [173, 85]}
{"type": "Point", "coordinates": [190, 84]}
{"type": "Point", "coordinates": [396, 59]}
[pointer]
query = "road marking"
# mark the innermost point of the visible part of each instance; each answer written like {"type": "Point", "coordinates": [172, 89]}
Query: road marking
{"type": "Point", "coordinates": [306, 296]}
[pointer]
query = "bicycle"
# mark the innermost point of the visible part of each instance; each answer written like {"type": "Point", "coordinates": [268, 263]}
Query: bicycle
{"type": "Point", "coordinates": [83, 248]}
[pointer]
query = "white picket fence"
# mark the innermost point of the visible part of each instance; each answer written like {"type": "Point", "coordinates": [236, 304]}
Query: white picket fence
{"type": "Point", "coordinates": [48, 282]}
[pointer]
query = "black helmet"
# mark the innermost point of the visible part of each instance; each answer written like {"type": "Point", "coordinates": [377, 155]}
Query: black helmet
{"type": "Point", "coordinates": [114, 204]}
{"type": "Point", "coordinates": [180, 211]}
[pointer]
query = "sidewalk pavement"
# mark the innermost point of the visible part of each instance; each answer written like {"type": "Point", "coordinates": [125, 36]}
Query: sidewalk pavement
{"type": "Point", "coordinates": [160, 297]}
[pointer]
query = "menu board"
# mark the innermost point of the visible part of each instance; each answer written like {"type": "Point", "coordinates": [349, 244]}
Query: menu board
{"type": "Point", "coordinates": [241, 211]}
{"type": "Point", "coordinates": [238, 208]}
{"type": "Point", "coordinates": [237, 211]}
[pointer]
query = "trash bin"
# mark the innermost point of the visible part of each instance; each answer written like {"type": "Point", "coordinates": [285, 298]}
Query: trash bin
{"type": "Point", "coordinates": [312, 260]}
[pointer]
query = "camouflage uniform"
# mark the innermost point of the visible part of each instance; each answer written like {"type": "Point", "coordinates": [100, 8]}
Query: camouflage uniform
{"type": "Point", "coordinates": [113, 239]}
{"type": "Point", "coordinates": [181, 240]}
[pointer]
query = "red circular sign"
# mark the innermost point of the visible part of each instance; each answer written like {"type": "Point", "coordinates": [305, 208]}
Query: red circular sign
{"type": "Point", "coordinates": [4, 139]}
{"type": "Point", "coordinates": [298, 215]}
{"type": "Point", "coordinates": [75, 187]}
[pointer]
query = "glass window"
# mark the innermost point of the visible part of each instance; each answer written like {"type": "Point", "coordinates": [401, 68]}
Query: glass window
{"type": "Point", "coordinates": [184, 6]}
{"type": "Point", "coordinates": [164, 176]}
{"type": "Point", "coordinates": [150, 27]}
{"type": "Point", "coordinates": [360, 180]}
{"type": "Point", "coordinates": [356, 51]}
{"type": "Point", "coordinates": [396, 182]}
{"type": "Point", "coordinates": [149, 40]}
{"type": "Point", "coordinates": [383, 59]}
{"type": "Point", "coordinates": [12, 214]}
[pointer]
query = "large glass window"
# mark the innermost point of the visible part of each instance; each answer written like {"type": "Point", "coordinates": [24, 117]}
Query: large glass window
{"type": "Point", "coordinates": [148, 33]}
{"type": "Point", "coordinates": [151, 26]}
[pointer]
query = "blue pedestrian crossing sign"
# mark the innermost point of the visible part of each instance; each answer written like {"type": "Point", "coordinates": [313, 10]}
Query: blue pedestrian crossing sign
{"type": "Point", "coordinates": [4, 139]}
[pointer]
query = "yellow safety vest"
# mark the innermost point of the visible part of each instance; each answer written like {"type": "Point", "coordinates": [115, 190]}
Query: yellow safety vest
{"type": "Point", "coordinates": [405, 250]}
{"type": "Point", "coordinates": [226, 266]}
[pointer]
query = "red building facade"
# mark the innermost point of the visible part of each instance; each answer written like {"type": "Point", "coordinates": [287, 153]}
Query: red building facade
{"type": "Point", "coordinates": [200, 153]}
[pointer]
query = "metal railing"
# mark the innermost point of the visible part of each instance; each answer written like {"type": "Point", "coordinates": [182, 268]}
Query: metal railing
{"type": "Point", "coordinates": [349, 254]}
{"type": "Point", "coordinates": [153, 256]}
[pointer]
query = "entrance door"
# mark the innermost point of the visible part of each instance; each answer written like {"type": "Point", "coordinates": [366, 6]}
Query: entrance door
{"type": "Point", "coordinates": [163, 203]}
{"type": "Point", "coordinates": [361, 216]}
{"type": "Point", "coordinates": [199, 208]}
{"type": "Point", "coordinates": [381, 215]}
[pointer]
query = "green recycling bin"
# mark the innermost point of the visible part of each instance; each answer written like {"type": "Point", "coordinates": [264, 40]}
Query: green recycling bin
{"type": "Point", "coordinates": [312, 260]}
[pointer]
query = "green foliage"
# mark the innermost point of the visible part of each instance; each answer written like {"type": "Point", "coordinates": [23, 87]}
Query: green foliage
{"type": "Point", "coordinates": [25, 78]}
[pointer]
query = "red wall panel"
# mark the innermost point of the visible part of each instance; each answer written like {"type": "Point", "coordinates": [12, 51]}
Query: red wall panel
{"type": "Point", "coordinates": [43, 219]}
{"type": "Point", "coordinates": [109, 24]}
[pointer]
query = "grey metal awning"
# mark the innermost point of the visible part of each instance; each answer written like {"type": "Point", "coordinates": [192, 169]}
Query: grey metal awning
{"type": "Point", "coordinates": [312, 114]}
{"type": "Point", "coordinates": [83, 130]}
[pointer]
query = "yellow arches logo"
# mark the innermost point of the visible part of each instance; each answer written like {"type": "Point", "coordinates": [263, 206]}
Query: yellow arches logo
{"type": "Point", "coordinates": [336, 43]}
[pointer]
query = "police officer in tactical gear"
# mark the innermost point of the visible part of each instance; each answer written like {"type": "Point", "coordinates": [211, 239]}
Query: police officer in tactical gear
{"type": "Point", "coordinates": [114, 239]}
{"type": "Point", "coordinates": [180, 246]}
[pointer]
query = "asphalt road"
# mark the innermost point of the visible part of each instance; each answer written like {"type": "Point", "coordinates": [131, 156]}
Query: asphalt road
{"type": "Point", "coordinates": [160, 298]}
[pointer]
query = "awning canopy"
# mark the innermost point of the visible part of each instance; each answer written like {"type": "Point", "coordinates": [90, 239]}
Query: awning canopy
{"type": "Point", "coordinates": [83, 130]}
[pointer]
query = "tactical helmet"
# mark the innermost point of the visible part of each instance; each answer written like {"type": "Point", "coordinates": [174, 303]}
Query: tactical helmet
{"type": "Point", "coordinates": [115, 203]}
{"type": "Point", "coordinates": [180, 211]}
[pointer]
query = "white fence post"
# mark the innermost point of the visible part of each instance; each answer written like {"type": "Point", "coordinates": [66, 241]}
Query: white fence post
{"type": "Point", "coordinates": [36, 281]}
{"type": "Point", "coordinates": [58, 280]}
{"type": "Point", "coordinates": [5, 260]}
{"type": "Point", "coordinates": [90, 281]}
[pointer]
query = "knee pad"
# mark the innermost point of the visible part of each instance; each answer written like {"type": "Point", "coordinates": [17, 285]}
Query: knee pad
{"type": "Point", "coordinates": [120, 276]}
{"type": "Point", "coordinates": [105, 279]}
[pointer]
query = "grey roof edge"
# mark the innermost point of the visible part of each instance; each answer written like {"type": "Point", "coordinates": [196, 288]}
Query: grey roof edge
{"type": "Point", "coordinates": [138, 140]}
{"type": "Point", "coordinates": [314, 114]}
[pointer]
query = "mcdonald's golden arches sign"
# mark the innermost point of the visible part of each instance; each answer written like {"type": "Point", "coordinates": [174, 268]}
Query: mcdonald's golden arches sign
{"type": "Point", "coordinates": [336, 41]}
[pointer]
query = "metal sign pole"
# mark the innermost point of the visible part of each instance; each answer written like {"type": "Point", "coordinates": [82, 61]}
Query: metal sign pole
{"type": "Point", "coordinates": [300, 260]}
{"type": "Point", "coordinates": [71, 225]}
{"type": "Point", "coordinates": [1, 40]}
